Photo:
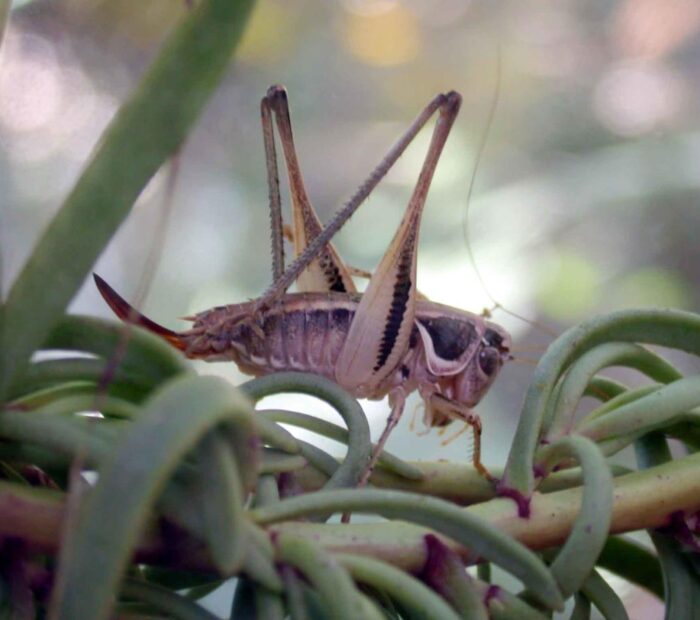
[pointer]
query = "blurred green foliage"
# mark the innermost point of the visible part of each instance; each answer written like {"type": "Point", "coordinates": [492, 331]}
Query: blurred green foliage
{"type": "Point", "coordinates": [586, 202]}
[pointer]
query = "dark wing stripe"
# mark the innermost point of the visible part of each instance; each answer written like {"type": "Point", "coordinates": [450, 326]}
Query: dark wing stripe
{"type": "Point", "coordinates": [399, 301]}
{"type": "Point", "coordinates": [332, 274]}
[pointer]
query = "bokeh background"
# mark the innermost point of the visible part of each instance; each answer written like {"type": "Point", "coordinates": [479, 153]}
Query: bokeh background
{"type": "Point", "coordinates": [586, 198]}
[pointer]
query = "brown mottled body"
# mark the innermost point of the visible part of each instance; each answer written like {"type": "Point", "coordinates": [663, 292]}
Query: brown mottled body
{"type": "Point", "coordinates": [306, 332]}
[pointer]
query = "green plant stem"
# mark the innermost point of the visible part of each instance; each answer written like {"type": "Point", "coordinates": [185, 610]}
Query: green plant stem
{"type": "Point", "coordinates": [552, 516]}
{"type": "Point", "coordinates": [628, 396]}
{"type": "Point", "coordinates": [144, 354]}
{"type": "Point", "coordinates": [259, 560]}
{"type": "Point", "coordinates": [46, 374]}
{"type": "Point", "coordinates": [275, 462]}
{"type": "Point", "coordinates": [408, 591]}
{"type": "Point", "coordinates": [502, 605]}
{"type": "Point", "coordinates": [456, 482]}
{"type": "Point", "coordinates": [332, 582]}
{"type": "Point", "coordinates": [34, 400]}
{"type": "Point", "coordinates": [221, 496]}
{"type": "Point", "coordinates": [681, 583]}
{"type": "Point", "coordinates": [387, 460]}
{"type": "Point", "coordinates": [35, 515]}
{"type": "Point", "coordinates": [578, 556]}
{"type": "Point", "coordinates": [73, 437]}
{"type": "Point", "coordinates": [268, 605]}
{"type": "Point", "coordinates": [574, 383]}
{"type": "Point", "coordinates": [359, 446]}
{"type": "Point", "coordinates": [165, 600]}
{"type": "Point", "coordinates": [582, 608]}
{"type": "Point", "coordinates": [108, 406]}
{"type": "Point", "coordinates": [603, 388]}
{"type": "Point", "coordinates": [444, 573]}
{"type": "Point", "coordinates": [275, 435]}
{"type": "Point", "coordinates": [597, 590]}
{"type": "Point", "coordinates": [634, 563]}
{"type": "Point", "coordinates": [468, 529]}
{"type": "Point", "coordinates": [294, 594]}
{"type": "Point", "coordinates": [676, 329]}
{"type": "Point", "coordinates": [119, 506]}
{"type": "Point", "coordinates": [266, 491]}
{"type": "Point", "coordinates": [664, 406]}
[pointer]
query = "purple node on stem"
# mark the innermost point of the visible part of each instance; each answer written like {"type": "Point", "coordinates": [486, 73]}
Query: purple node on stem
{"type": "Point", "coordinates": [679, 529]}
{"type": "Point", "coordinates": [539, 471]}
{"type": "Point", "coordinates": [436, 561]}
{"type": "Point", "coordinates": [288, 485]}
{"type": "Point", "coordinates": [522, 502]}
{"type": "Point", "coordinates": [491, 593]}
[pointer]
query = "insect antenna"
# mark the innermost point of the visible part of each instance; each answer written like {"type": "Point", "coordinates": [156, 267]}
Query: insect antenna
{"type": "Point", "coordinates": [496, 305]}
{"type": "Point", "coordinates": [523, 360]}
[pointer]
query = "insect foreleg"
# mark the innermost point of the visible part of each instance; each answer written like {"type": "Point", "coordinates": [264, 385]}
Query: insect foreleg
{"type": "Point", "coordinates": [437, 404]}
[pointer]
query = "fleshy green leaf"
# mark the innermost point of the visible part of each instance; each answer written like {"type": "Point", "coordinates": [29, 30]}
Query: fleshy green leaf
{"type": "Point", "coordinates": [147, 130]}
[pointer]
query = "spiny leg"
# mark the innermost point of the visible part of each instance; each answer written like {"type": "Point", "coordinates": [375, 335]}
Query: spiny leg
{"type": "Point", "coordinates": [455, 411]}
{"type": "Point", "coordinates": [282, 284]}
{"type": "Point", "coordinates": [326, 272]}
{"type": "Point", "coordinates": [273, 186]}
{"type": "Point", "coordinates": [397, 400]}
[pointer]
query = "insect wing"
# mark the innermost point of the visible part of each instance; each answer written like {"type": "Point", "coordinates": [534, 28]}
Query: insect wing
{"type": "Point", "coordinates": [379, 333]}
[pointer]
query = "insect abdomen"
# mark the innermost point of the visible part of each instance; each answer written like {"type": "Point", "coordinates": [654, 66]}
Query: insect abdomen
{"type": "Point", "coordinates": [288, 338]}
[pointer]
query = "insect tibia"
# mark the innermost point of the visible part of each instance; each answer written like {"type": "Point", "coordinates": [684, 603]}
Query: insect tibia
{"type": "Point", "coordinates": [129, 314]}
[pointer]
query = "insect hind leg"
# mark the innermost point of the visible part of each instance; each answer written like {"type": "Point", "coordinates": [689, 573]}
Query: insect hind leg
{"type": "Point", "coordinates": [327, 271]}
{"type": "Point", "coordinates": [311, 252]}
{"type": "Point", "coordinates": [273, 185]}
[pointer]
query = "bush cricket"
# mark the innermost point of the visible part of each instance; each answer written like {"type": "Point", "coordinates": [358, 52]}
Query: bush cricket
{"type": "Point", "coordinates": [388, 340]}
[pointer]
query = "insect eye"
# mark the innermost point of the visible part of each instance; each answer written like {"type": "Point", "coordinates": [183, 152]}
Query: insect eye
{"type": "Point", "coordinates": [489, 360]}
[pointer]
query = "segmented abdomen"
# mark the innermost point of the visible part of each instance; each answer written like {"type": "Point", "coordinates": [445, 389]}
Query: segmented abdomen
{"type": "Point", "coordinates": [288, 337]}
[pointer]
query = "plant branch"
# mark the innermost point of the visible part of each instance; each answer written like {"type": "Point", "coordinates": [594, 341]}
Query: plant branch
{"type": "Point", "coordinates": [642, 500]}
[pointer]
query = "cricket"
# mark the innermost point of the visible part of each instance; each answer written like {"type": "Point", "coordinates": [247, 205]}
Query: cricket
{"type": "Point", "coordinates": [387, 341]}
